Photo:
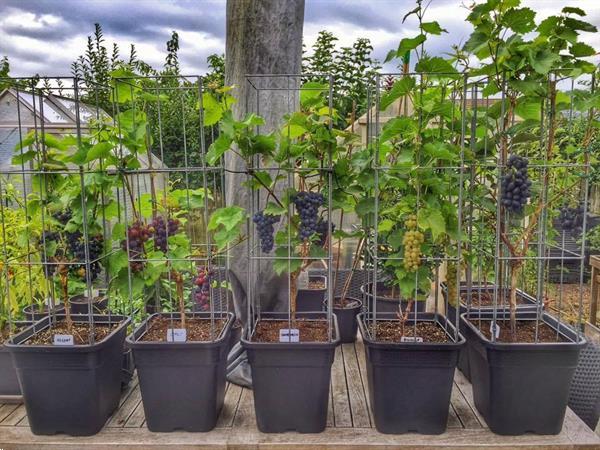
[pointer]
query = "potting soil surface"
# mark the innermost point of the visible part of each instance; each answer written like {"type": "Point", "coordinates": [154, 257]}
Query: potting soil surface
{"type": "Point", "coordinates": [309, 330]}
{"type": "Point", "coordinates": [391, 331]}
{"type": "Point", "coordinates": [486, 298]}
{"type": "Point", "coordinates": [525, 331]}
{"type": "Point", "coordinates": [345, 303]}
{"type": "Point", "coordinates": [316, 285]}
{"type": "Point", "coordinates": [80, 332]}
{"type": "Point", "coordinates": [198, 330]}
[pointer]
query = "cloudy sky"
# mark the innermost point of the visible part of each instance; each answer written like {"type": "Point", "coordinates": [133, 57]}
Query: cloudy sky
{"type": "Point", "coordinates": [45, 36]}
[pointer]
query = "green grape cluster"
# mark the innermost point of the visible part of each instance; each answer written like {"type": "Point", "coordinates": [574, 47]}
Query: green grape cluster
{"type": "Point", "coordinates": [412, 241]}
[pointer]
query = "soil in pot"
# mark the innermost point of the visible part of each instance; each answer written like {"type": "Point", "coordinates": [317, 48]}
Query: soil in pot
{"type": "Point", "coordinates": [485, 298]}
{"type": "Point", "coordinates": [525, 332]}
{"type": "Point", "coordinates": [309, 330]}
{"type": "Point", "coordinates": [80, 332]}
{"type": "Point", "coordinates": [316, 285]}
{"type": "Point", "coordinates": [197, 330]}
{"type": "Point", "coordinates": [393, 331]}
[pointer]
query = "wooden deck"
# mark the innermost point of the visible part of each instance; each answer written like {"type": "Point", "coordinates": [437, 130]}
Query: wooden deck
{"type": "Point", "coordinates": [350, 424]}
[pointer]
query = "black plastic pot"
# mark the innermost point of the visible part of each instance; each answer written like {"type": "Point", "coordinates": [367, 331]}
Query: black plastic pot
{"type": "Point", "coordinates": [182, 383]}
{"type": "Point", "coordinates": [9, 383]}
{"type": "Point", "coordinates": [521, 388]}
{"type": "Point", "coordinates": [69, 389]}
{"type": "Point", "coordinates": [291, 382]}
{"type": "Point", "coordinates": [528, 303]}
{"type": "Point", "coordinates": [312, 300]}
{"type": "Point", "coordinates": [127, 368]}
{"type": "Point", "coordinates": [346, 319]}
{"type": "Point", "coordinates": [79, 304]}
{"type": "Point", "coordinates": [386, 304]}
{"type": "Point", "coordinates": [410, 384]}
{"type": "Point", "coordinates": [33, 313]}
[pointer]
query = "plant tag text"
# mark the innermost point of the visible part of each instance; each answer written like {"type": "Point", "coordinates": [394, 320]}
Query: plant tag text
{"type": "Point", "coordinates": [289, 335]}
{"type": "Point", "coordinates": [411, 339]}
{"type": "Point", "coordinates": [495, 330]}
{"type": "Point", "coordinates": [63, 339]}
{"type": "Point", "coordinates": [176, 335]}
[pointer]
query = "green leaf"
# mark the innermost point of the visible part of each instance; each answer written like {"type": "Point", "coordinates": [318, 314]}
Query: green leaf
{"type": "Point", "coordinates": [548, 25]}
{"type": "Point", "coordinates": [24, 157]}
{"type": "Point", "coordinates": [396, 127]}
{"type": "Point", "coordinates": [435, 64]}
{"type": "Point", "coordinates": [528, 108]}
{"type": "Point", "coordinates": [573, 10]}
{"type": "Point", "coordinates": [408, 44]}
{"type": "Point", "coordinates": [440, 150]}
{"type": "Point", "coordinates": [431, 219]}
{"type": "Point", "coordinates": [118, 231]}
{"type": "Point", "coordinates": [576, 24]}
{"type": "Point", "coordinates": [386, 225]}
{"type": "Point", "coordinates": [477, 42]}
{"type": "Point", "coordinates": [117, 261]}
{"type": "Point", "coordinates": [433, 28]}
{"type": "Point", "coordinates": [542, 60]}
{"type": "Point", "coordinates": [229, 217]}
{"type": "Point", "coordinates": [217, 149]}
{"type": "Point", "coordinates": [400, 88]}
{"type": "Point", "coordinates": [283, 264]}
{"type": "Point", "coordinates": [212, 109]}
{"type": "Point", "coordinates": [98, 151]}
{"type": "Point", "coordinates": [520, 20]}
{"type": "Point", "coordinates": [311, 92]}
{"type": "Point", "coordinates": [365, 206]}
{"type": "Point", "coordinates": [580, 50]}
{"type": "Point", "coordinates": [274, 209]}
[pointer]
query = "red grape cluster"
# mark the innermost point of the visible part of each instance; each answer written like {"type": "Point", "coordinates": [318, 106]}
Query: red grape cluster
{"type": "Point", "coordinates": [516, 185]}
{"type": "Point", "coordinates": [307, 204]}
{"type": "Point", "coordinates": [137, 234]}
{"type": "Point", "coordinates": [162, 230]}
{"type": "Point", "coordinates": [264, 226]}
{"type": "Point", "coordinates": [202, 289]}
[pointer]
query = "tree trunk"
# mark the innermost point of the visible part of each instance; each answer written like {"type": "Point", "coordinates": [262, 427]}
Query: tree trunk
{"type": "Point", "coordinates": [263, 37]}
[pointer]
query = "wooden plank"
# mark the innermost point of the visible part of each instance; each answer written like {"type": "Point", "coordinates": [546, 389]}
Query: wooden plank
{"type": "Point", "coordinates": [467, 391]}
{"type": "Point", "coordinates": [341, 405]}
{"type": "Point", "coordinates": [126, 409]}
{"type": "Point", "coordinates": [6, 410]}
{"type": "Point", "coordinates": [356, 392]}
{"type": "Point", "coordinates": [230, 405]}
{"type": "Point", "coordinates": [464, 412]}
{"type": "Point", "coordinates": [137, 418]}
{"type": "Point", "coordinates": [244, 416]}
{"type": "Point", "coordinates": [359, 347]}
{"type": "Point", "coordinates": [453, 420]}
{"type": "Point", "coordinates": [15, 417]}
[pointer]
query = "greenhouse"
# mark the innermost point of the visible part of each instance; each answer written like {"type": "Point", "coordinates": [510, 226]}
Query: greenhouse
{"type": "Point", "coordinates": [279, 254]}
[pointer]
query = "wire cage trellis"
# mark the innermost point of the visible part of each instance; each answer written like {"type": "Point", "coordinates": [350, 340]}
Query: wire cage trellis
{"type": "Point", "coordinates": [296, 173]}
{"type": "Point", "coordinates": [83, 164]}
{"type": "Point", "coordinates": [471, 120]}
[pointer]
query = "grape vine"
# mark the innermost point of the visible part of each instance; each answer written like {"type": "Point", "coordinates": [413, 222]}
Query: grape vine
{"type": "Point", "coordinates": [516, 185]}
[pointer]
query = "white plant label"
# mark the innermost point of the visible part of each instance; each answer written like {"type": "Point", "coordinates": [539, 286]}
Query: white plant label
{"type": "Point", "coordinates": [289, 335]}
{"type": "Point", "coordinates": [494, 330]}
{"type": "Point", "coordinates": [303, 280]}
{"type": "Point", "coordinates": [411, 339]}
{"type": "Point", "coordinates": [176, 335]}
{"type": "Point", "coordinates": [63, 339]}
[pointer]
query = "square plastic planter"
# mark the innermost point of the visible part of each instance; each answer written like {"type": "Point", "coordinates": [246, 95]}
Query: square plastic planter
{"type": "Point", "coordinates": [528, 303]}
{"type": "Point", "coordinates": [410, 384]}
{"type": "Point", "coordinates": [70, 389]}
{"type": "Point", "coordinates": [385, 304]}
{"type": "Point", "coordinates": [291, 382]}
{"type": "Point", "coordinates": [346, 319]}
{"type": "Point", "coordinates": [182, 383]}
{"type": "Point", "coordinates": [312, 300]}
{"type": "Point", "coordinates": [520, 387]}
{"type": "Point", "coordinates": [9, 383]}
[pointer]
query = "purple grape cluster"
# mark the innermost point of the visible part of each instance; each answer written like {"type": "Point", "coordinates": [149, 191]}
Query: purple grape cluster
{"type": "Point", "coordinates": [516, 185]}
{"type": "Point", "coordinates": [76, 248]}
{"type": "Point", "coordinates": [137, 234]}
{"type": "Point", "coordinates": [162, 230]}
{"type": "Point", "coordinates": [307, 204]}
{"type": "Point", "coordinates": [202, 289]}
{"type": "Point", "coordinates": [264, 226]}
{"type": "Point", "coordinates": [322, 231]}
{"type": "Point", "coordinates": [63, 216]}
{"type": "Point", "coordinates": [571, 219]}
